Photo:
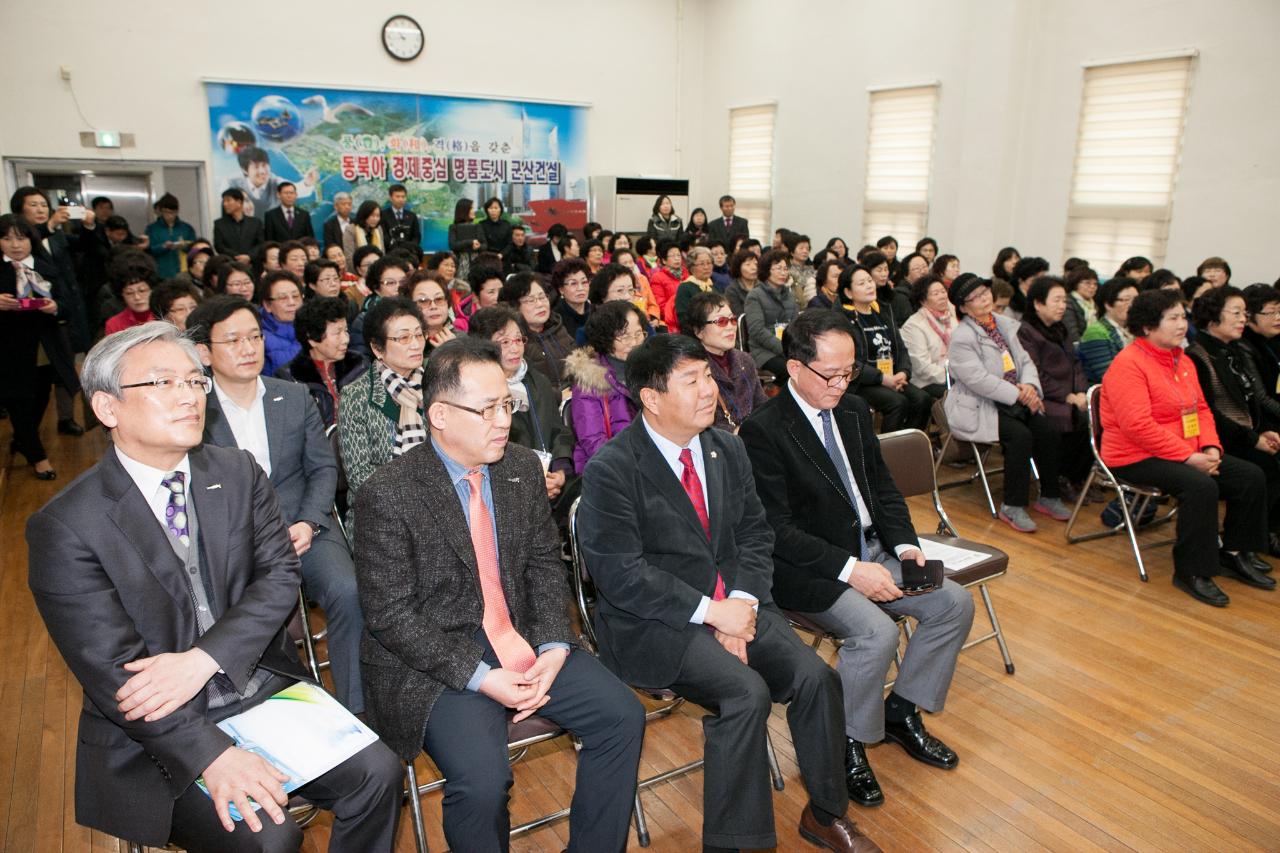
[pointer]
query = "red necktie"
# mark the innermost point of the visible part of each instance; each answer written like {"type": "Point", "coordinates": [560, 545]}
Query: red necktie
{"type": "Point", "coordinates": [728, 223]}
{"type": "Point", "coordinates": [693, 488]}
{"type": "Point", "coordinates": [513, 651]}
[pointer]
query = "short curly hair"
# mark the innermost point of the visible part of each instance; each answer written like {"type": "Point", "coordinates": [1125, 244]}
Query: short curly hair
{"type": "Point", "coordinates": [1148, 308]}
{"type": "Point", "coordinates": [609, 320]}
{"type": "Point", "coordinates": [1208, 309]}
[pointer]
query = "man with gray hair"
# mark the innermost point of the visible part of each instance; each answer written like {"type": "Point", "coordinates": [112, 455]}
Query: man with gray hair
{"type": "Point", "coordinates": [335, 226]}
{"type": "Point", "coordinates": [165, 576]}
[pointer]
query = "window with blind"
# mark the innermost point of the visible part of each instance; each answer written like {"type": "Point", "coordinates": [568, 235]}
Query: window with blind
{"type": "Point", "coordinates": [751, 167]}
{"type": "Point", "coordinates": [900, 133]}
{"type": "Point", "coordinates": [1127, 150]}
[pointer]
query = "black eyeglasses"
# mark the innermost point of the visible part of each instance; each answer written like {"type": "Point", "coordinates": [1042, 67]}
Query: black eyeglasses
{"type": "Point", "coordinates": [490, 412]}
{"type": "Point", "coordinates": [169, 384]}
{"type": "Point", "coordinates": [837, 379]}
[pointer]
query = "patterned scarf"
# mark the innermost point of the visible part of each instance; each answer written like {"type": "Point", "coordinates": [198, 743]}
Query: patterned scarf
{"type": "Point", "coordinates": [410, 430]}
{"type": "Point", "coordinates": [989, 326]}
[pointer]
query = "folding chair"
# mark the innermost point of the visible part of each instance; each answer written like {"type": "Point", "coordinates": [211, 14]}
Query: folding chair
{"type": "Point", "coordinates": [801, 622]}
{"type": "Point", "coordinates": [340, 494]}
{"type": "Point", "coordinates": [581, 579]}
{"type": "Point", "coordinates": [743, 343]}
{"type": "Point", "coordinates": [909, 456]}
{"type": "Point", "coordinates": [1141, 496]}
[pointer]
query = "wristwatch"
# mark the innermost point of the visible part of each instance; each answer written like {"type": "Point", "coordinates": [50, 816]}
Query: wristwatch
{"type": "Point", "coordinates": [315, 528]}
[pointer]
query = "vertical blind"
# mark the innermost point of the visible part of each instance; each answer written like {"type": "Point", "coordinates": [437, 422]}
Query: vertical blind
{"type": "Point", "coordinates": [1131, 120]}
{"type": "Point", "coordinates": [900, 136]}
{"type": "Point", "coordinates": [751, 167]}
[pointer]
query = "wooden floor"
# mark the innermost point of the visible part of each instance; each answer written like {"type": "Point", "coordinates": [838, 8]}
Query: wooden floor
{"type": "Point", "coordinates": [1137, 719]}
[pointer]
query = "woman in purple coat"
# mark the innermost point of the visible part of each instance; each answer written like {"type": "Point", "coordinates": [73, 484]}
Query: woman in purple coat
{"type": "Point", "coordinates": [711, 321]}
{"type": "Point", "coordinates": [601, 405]}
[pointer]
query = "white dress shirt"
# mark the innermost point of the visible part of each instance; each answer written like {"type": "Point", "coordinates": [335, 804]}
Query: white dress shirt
{"type": "Point", "coordinates": [671, 453]}
{"type": "Point", "coordinates": [814, 418]}
{"type": "Point", "coordinates": [249, 426]}
{"type": "Point", "coordinates": [148, 480]}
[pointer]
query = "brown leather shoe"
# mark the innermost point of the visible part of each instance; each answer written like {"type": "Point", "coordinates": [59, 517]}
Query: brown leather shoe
{"type": "Point", "coordinates": [842, 835]}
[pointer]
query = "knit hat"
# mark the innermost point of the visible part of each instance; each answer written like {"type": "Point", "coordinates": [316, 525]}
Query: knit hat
{"type": "Point", "coordinates": [964, 286]}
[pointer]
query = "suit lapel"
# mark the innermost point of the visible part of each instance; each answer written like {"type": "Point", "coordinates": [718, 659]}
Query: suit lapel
{"type": "Point", "coordinates": [216, 429]}
{"type": "Point", "coordinates": [214, 520]}
{"type": "Point", "coordinates": [851, 436]}
{"type": "Point", "coordinates": [131, 513]}
{"type": "Point", "coordinates": [273, 408]}
{"type": "Point", "coordinates": [658, 472]}
{"type": "Point", "coordinates": [442, 501]}
{"type": "Point", "coordinates": [806, 439]}
{"type": "Point", "coordinates": [713, 463]}
{"type": "Point", "coordinates": [506, 514]}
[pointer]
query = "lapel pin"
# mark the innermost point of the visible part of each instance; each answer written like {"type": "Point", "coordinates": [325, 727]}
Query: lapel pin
{"type": "Point", "coordinates": [214, 486]}
{"type": "Point", "coordinates": [513, 479]}
{"type": "Point", "coordinates": [713, 454]}
{"type": "Point", "coordinates": [276, 399]}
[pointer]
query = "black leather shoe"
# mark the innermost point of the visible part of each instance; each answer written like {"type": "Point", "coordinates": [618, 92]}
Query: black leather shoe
{"type": "Point", "coordinates": [45, 475]}
{"type": "Point", "coordinates": [910, 734]}
{"type": "Point", "coordinates": [70, 427]}
{"type": "Point", "coordinates": [1202, 589]}
{"type": "Point", "coordinates": [859, 778]}
{"type": "Point", "coordinates": [1258, 563]}
{"type": "Point", "coordinates": [1239, 567]}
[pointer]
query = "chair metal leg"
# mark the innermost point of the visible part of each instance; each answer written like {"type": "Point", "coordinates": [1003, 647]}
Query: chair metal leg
{"type": "Point", "coordinates": [1075, 511]}
{"type": "Point", "coordinates": [642, 825]}
{"type": "Point", "coordinates": [135, 847]}
{"type": "Point", "coordinates": [995, 627]}
{"type": "Point", "coordinates": [775, 774]}
{"type": "Point", "coordinates": [1131, 528]}
{"type": "Point", "coordinates": [308, 640]}
{"type": "Point", "coordinates": [415, 808]}
{"type": "Point", "coordinates": [982, 475]}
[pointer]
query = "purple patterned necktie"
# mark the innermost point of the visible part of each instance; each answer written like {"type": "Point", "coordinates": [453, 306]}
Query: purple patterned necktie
{"type": "Point", "coordinates": [175, 513]}
{"type": "Point", "coordinates": [288, 215]}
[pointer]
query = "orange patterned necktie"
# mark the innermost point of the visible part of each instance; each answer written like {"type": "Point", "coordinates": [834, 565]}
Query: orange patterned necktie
{"type": "Point", "coordinates": [513, 651]}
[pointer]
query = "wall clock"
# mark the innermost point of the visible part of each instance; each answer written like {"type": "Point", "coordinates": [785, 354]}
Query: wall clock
{"type": "Point", "coordinates": [402, 37]}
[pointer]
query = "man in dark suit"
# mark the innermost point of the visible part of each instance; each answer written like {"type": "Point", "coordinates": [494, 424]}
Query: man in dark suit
{"type": "Point", "coordinates": [287, 221]}
{"type": "Point", "coordinates": [336, 225]}
{"type": "Point", "coordinates": [727, 225]}
{"type": "Point", "coordinates": [841, 527]}
{"type": "Point", "coordinates": [467, 615]}
{"type": "Point", "coordinates": [165, 575]}
{"type": "Point", "coordinates": [278, 422]}
{"type": "Point", "coordinates": [234, 233]}
{"type": "Point", "coordinates": [679, 549]}
{"type": "Point", "coordinates": [400, 224]}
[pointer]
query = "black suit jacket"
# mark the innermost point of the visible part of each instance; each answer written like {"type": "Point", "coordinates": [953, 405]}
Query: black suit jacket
{"type": "Point", "coordinates": [238, 238]}
{"type": "Point", "coordinates": [717, 231]}
{"type": "Point", "coordinates": [303, 470]}
{"type": "Point", "coordinates": [815, 523]}
{"type": "Point", "coordinates": [407, 230]}
{"type": "Point", "coordinates": [277, 227]}
{"type": "Point", "coordinates": [110, 589]}
{"type": "Point", "coordinates": [649, 556]}
{"type": "Point", "coordinates": [420, 588]}
{"type": "Point", "coordinates": [333, 232]}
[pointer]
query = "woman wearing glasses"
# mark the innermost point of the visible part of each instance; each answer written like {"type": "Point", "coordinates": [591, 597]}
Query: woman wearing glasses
{"type": "Point", "coordinates": [381, 413]}
{"type": "Point", "coordinates": [739, 392]}
{"type": "Point", "coordinates": [281, 297]}
{"type": "Point", "coordinates": [428, 294]}
{"type": "Point", "coordinates": [548, 342]}
{"type": "Point", "coordinates": [601, 404]}
{"type": "Point", "coordinates": [996, 397]}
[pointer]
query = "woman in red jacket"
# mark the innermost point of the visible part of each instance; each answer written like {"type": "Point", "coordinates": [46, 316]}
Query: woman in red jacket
{"type": "Point", "coordinates": [1158, 431]}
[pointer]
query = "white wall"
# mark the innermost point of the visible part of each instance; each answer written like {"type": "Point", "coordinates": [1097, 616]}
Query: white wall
{"type": "Point", "coordinates": [137, 66]}
{"type": "Point", "coordinates": [1011, 75]}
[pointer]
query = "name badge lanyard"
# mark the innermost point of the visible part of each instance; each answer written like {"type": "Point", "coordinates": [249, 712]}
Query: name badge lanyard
{"type": "Point", "coordinates": [1190, 414]}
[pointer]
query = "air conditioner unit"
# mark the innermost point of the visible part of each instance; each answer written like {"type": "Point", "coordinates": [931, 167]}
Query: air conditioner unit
{"type": "Point", "coordinates": [625, 204]}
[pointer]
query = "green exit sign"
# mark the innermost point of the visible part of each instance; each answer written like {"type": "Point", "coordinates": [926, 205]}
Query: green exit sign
{"type": "Point", "coordinates": [107, 138]}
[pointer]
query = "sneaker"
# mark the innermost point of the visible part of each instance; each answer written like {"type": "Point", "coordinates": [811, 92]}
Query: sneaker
{"type": "Point", "coordinates": [1017, 518]}
{"type": "Point", "coordinates": [1052, 507]}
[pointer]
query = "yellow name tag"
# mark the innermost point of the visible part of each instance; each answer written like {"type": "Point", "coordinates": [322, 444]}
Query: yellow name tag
{"type": "Point", "coordinates": [1190, 425]}
{"type": "Point", "coordinates": [778, 329]}
{"type": "Point", "coordinates": [1278, 384]}
{"type": "Point", "coordinates": [1006, 361]}
{"type": "Point", "coordinates": [885, 365]}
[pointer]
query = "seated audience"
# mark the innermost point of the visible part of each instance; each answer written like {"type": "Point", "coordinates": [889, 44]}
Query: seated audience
{"type": "Point", "coordinates": [676, 538]}
{"type": "Point", "coordinates": [165, 577]}
{"type": "Point", "coordinates": [744, 268]}
{"type": "Point", "coordinates": [266, 259]}
{"type": "Point", "coordinates": [769, 307]}
{"type": "Point", "coordinates": [883, 377]}
{"type": "Point", "coordinates": [593, 254]}
{"type": "Point", "coordinates": [1044, 336]}
{"type": "Point", "coordinates": [381, 411]}
{"type": "Point", "coordinates": [323, 279]}
{"type": "Point", "coordinates": [1215, 270]}
{"type": "Point", "coordinates": [738, 382]}
{"type": "Point", "coordinates": [280, 295]}
{"type": "Point", "coordinates": [571, 278]}
{"type": "Point", "coordinates": [279, 424]}
{"type": "Point", "coordinates": [548, 342]}
{"type": "Point", "coordinates": [198, 258]}
{"type": "Point", "coordinates": [450, 659]}
{"type": "Point", "coordinates": [549, 254]}
{"type": "Point", "coordinates": [801, 278]}
{"type": "Point", "coordinates": [927, 334]}
{"type": "Point", "coordinates": [1158, 431]}
{"type": "Point", "coordinates": [643, 293]}
{"type": "Point", "coordinates": [995, 397]}
{"type": "Point", "coordinates": [646, 255]}
{"type": "Point", "coordinates": [294, 258]}
{"type": "Point", "coordinates": [1136, 268]}
{"type": "Point", "coordinates": [1262, 334]}
{"type": "Point", "coordinates": [485, 282]}
{"type": "Point", "coordinates": [1002, 269]}
{"type": "Point", "coordinates": [888, 246]}
{"type": "Point", "coordinates": [719, 266]}
{"type": "Point", "coordinates": [601, 403]}
{"type": "Point", "coordinates": [886, 294]}
{"type": "Point", "coordinates": [1193, 287]}
{"type": "Point", "coordinates": [1106, 336]}
{"type": "Point", "coordinates": [536, 423]}
{"type": "Point", "coordinates": [946, 268]}
{"type": "Point", "coordinates": [172, 301]}
{"type": "Point", "coordinates": [827, 288]}
{"type": "Point", "coordinates": [1082, 307]}
{"type": "Point", "coordinates": [613, 283]}
{"type": "Point", "coordinates": [325, 364]}
{"type": "Point", "coordinates": [518, 254]}
{"type": "Point", "coordinates": [428, 294]}
{"type": "Point", "coordinates": [837, 546]}
{"type": "Point", "coordinates": [1245, 417]}
{"type": "Point", "coordinates": [699, 281]}
{"type": "Point", "coordinates": [383, 278]}
{"type": "Point", "coordinates": [1025, 271]}
{"type": "Point", "coordinates": [665, 281]}
{"type": "Point", "coordinates": [132, 276]}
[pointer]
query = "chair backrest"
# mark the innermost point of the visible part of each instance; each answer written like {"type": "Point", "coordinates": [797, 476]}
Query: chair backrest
{"type": "Point", "coordinates": [580, 578]}
{"type": "Point", "coordinates": [566, 411]}
{"type": "Point", "coordinates": [742, 343]}
{"type": "Point", "coordinates": [909, 456]}
{"type": "Point", "coordinates": [331, 433]}
{"type": "Point", "coordinates": [1094, 398]}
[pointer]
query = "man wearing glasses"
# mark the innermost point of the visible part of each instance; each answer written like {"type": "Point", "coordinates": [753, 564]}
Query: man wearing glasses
{"type": "Point", "coordinates": [467, 615]}
{"type": "Point", "coordinates": [841, 529]}
{"type": "Point", "coordinates": [165, 577]}
{"type": "Point", "coordinates": [279, 423]}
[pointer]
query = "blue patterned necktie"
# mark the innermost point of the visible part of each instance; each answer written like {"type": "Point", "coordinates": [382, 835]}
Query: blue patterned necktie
{"type": "Point", "coordinates": [175, 513]}
{"type": "Point", "coordinates": [829, 440]}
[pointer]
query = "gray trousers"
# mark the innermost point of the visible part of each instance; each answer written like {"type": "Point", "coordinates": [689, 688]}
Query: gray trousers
{"type": "Point", "coordinates": [330, 580]}
{"type": "Point", "coordinates": [871, 637]}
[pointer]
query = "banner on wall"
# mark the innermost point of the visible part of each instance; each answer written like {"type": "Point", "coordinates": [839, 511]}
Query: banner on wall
{"type": "Point", "coordinates": [532, 156]}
